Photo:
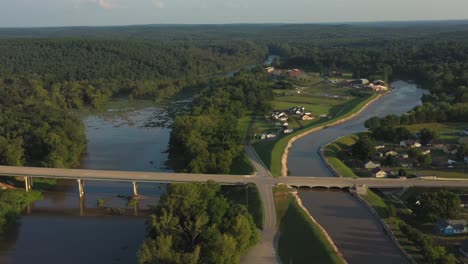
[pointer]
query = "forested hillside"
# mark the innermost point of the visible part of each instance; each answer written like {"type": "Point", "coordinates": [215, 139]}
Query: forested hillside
{"type": "Point", "coordinates": [88, 71]}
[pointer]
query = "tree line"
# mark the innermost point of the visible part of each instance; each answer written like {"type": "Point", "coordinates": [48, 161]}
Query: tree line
{"type": "Point", "coordinates": [207, 139]}
{"type": "Point", "coordinates": [88, 71]}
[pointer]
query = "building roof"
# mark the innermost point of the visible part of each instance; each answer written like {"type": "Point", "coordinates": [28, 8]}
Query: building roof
{"type": "Point", "coordinates": [456, 224]}
{"type": "Point", "coordinates": [376, 170]}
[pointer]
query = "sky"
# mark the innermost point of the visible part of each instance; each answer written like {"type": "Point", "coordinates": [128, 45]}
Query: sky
{"type": "Point", "coordinates": [45, 13]}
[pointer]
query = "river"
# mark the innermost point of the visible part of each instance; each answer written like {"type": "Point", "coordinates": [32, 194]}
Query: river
{"type": "Point", "coordinates": [61, 229]}
{"type": "Point", "coordinates": [352, 227]}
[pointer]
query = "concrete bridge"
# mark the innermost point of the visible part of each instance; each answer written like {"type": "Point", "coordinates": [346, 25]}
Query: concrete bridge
{"type": "Point", "coordinates": [29, 173]}
{"type": "Point", "coordinates": [264, 252]}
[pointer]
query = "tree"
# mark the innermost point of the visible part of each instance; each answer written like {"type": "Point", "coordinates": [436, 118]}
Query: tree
{"type": "Point", "coordinates": [426, 135]}
{"type": "Point", "coordinates": [364, 148]}
{"type": "Point", "coordinates": [194, 224]}
{"type": "Point", "coordinates": [430, 206]}
{"type": "Point", "coordinates": [402, 172]}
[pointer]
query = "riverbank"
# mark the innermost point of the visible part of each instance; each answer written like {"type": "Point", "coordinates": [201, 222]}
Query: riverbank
{"type": "Point", "coordinates": [345, 117]}
{"type": "Point", "coordinates": [301, 238]}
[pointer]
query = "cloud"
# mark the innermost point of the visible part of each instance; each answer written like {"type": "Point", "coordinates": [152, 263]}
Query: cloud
{"type": "Point", "coordinates": [159, 4]}
{"type": "Point", "coordinates": [106, 4]}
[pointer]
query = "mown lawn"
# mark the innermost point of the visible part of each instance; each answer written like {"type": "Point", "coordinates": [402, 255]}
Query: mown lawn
{"type": "Point", "coordinates": [301, 240]}
{"type": "Point", "coordinates": [449, 132]}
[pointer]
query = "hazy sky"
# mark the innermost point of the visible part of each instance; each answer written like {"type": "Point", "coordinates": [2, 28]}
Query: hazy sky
{"type": "Point", "coordinates": [26, 13]}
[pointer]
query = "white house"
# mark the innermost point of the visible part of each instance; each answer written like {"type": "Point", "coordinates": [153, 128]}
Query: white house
{"type": "Point", "coordinates": [371, 165]}
{"type": "Point", "coordinates": [288, 131]}
{"type": "Point", "coordinates": [410, 143]}
{"type": "Point", "coordinates": [379, 173]}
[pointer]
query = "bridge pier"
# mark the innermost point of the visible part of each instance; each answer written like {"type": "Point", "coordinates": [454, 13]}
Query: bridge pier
{"type": "Point", "coordinates": [81, 191]}
{"type": "Point", "coordinates": [28, 183]}
{"type": "Point", "coordinates": [135, 189]}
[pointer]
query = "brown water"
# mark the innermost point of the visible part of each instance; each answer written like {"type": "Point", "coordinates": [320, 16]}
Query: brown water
{"type": "Point", "coordinates": [61, 229]}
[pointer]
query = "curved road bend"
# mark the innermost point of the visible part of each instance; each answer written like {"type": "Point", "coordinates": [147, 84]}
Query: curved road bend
{"type": "Point", "coordinates": [352, 227]}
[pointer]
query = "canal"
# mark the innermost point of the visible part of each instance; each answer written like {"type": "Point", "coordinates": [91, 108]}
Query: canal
{"type": "Point", "coordinates": [357, 234]}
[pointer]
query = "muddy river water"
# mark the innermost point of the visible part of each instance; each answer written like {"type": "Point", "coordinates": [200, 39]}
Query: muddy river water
{"type": "Point", "coordinates": [61, 229]}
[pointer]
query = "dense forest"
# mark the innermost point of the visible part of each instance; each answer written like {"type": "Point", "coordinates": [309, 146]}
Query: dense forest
{"type": "Point", "coordinates": [34, 130]}
{"type": "Point", "coordinates": [207, 139]}
{"type": "Point", "coordinates": [205, 227]}
{"type": "Point", "coordinates": [89, 71]}
{"type": "Point", "coordinates": [75, 67]}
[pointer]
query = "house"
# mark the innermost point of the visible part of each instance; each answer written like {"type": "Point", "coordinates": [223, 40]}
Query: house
{"type": "Point", "coordinates": [270, 135]}
{"type": "Point", "coordinates": [371, 165]}
{"type": "Point", "coordinates": [426, 152]}
{"type": "Point", "coordinates": [464, 132]}
{"type": "Point", "coordinates": [439, 161]}
{"type": "Point", "coordinates": [307, 117]}
{"type": "Point", "coordinates": [379, 147]}
{"type": "Point", "coordinates": [410, 143]}
{"type": "Point", "coordinates": [405, 163]}
{"type": "Point", "coordinates": [379, 82]}
{"type": "Point", "coordinates": [404, 155]}
{"type": "Point", "coordinates": [451, 227]}
{"type": "Point", "coordinates": [288, 131]}
{"type": "Point", "coordinates": [283, 118]}
{"type": "Point", "coordinates": [464, 248]}
{"type": "Point", "coordinates": [450, 149]}
{"type": "Point", "coordinates": [463, 140]}
{"type": "Point", "coordinates": [437, 144]}
{"type": "Point", "coordinates": [379, 173]}
{"type": "Point", "coordinates": [391, 152]}
{"type": "Point", "coordinates": [294, 73]}
{"type": "Point", "coordinates": [269, 69]}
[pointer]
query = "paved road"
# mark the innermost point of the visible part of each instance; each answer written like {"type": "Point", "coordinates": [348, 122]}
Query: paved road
{"type": "Point", "coordinates": [304, 160]}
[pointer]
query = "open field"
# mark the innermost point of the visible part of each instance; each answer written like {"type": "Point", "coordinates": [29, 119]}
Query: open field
{"type": "Point", "coordinates": [301, 240]}
{"type": "Point", "coordinates": [449, 132]}
{"type": "Point", "coordinates": [271, 151]}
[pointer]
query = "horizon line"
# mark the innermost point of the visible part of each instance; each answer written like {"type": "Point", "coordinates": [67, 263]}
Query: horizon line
{"type": "Point", "coordinates": [243, 23]}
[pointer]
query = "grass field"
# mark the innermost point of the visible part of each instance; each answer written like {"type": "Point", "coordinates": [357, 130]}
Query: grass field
{"type": "Point", "coordinates": [301, 241]}
{"type": "Point", "coordinates": [244, 122]}
{"type": "Point", "coordinates": [249, 196]}
{"type": "Point", "coordinates": [449, 132]}
{"type": "Point", "coordinates": [331, 153]}
{"type": "Point", "coordinates": [442, 172]}
{"type": "Point", "coordinates": [271, 151]}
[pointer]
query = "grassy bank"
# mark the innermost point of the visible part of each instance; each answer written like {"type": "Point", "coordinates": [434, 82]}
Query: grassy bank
{"type": "Point", "coordinates": [331, 154]}
{"type": "Point", "coordinates": [271, 151]}
{"type": "Point", "coordinates": [249, 196]}
{"type": "Point", "coordinates": [301, 240]}
{"type": "Point", "coordinates": [12, 203]}
{"type": "Point", "coordinates": [393, 221]}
